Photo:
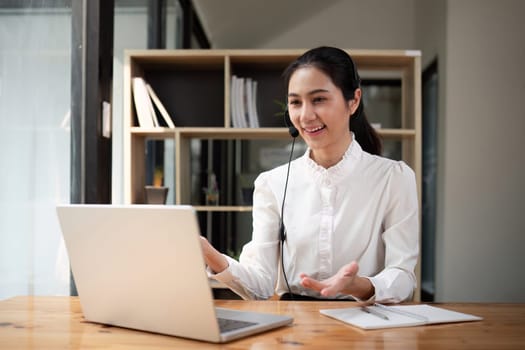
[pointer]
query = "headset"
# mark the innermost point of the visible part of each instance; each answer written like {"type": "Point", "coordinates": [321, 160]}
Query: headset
{"type": "Point", "coordinates": [288, 122]}
{"type": "Point", "coordinates": [282, 230]}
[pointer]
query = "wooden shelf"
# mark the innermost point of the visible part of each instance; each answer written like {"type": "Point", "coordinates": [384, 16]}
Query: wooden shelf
{"type": "Point", "coordinates": [194, 85]}
{"type": "Point", "coordinates": [242, 133]}
{"type": "Point", "coordinates": [223, 208]}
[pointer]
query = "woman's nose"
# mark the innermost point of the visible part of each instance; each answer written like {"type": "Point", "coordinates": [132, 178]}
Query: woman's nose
{"type": "Point", "coordinates": [307, 112]}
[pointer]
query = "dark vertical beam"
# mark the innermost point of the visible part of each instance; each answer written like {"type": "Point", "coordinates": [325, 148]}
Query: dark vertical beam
{"type": "Point", "coordinates": [198, 31]}
{"type": "Point", "coordinates": [187, 19]}
{"type": "Point", "coordinates": [156, 40]}
{"type": "Point", "coordinates": [430, 88]}
{"type": "Point", "coordinates": [156, 24]}
{"type": "Point", "coordinates": [101, 190]}
{"type": "Point", "coordinates": [91, 84]}
{"type": "Point", "coordinates": [191, 25]}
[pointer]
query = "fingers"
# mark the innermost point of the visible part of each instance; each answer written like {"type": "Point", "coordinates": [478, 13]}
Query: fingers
{"type": "Point", "coordinates": [212, 257]}
{"type": "Point", "coordinates": [335, 284]}
{"type": "Point", "coordinates": [326, 288]}
{"type": "Point", "coordinates": [311, 283]}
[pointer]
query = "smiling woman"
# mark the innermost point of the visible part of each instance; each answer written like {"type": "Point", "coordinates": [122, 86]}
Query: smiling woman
{"type": "Point", "coordinates": [332, 77]}
{"type": "Point", "coordinates": [321, 114]}
{"type": "Point", "coordinates": [349, 227]}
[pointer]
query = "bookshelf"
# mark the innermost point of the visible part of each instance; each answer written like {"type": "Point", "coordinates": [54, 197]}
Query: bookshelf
{"type": "Point", "coordinates": [194, 86]}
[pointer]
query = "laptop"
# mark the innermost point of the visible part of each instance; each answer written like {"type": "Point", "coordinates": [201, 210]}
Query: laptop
{"type": "Point", "coordinates": [141, 267]}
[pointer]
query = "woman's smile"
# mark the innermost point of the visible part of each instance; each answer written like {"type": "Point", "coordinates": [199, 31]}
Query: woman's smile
{"type": "Point", "coordinates": [312, 131]}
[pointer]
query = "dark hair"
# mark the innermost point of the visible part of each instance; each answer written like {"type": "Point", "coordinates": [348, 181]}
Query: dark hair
{"type": "Point", "coordinates": [339, 66]}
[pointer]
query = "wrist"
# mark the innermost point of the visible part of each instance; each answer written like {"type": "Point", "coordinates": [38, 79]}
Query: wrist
{"type": "Point", "coordinates": [362, 289]}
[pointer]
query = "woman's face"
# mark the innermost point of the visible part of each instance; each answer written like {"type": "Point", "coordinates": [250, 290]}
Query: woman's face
{"type": "Point", "coordinates": [319, 111]}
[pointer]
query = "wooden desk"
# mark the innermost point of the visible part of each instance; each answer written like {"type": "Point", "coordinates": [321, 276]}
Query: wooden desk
{"type": "Point", "coordinates": [57, 323]}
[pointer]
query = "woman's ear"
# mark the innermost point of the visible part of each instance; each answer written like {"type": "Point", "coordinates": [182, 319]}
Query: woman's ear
{"type": "Point", "coordinates": [354, 103]}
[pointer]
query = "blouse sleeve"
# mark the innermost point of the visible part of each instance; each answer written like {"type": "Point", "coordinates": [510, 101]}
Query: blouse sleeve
{"type": "Point", "coordinates": [254, 275]}
{"type": "Point", "coordinates": [401, 238]}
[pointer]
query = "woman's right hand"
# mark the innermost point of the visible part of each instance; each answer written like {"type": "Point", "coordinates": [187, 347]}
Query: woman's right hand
{"type": "Point", "coordinates": [213, 258]}
{"type": "Point", "coordinates": [345, 281]}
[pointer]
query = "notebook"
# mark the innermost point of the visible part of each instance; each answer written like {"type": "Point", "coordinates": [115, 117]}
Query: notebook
{"type": "Point", "coordinates": [381, 316]}
{"type": "Point", "coordinates": [141, 267]}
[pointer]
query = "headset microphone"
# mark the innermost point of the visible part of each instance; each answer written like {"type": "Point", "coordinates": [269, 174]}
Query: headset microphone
{"type": "Point", "coordinates": [291, 128]}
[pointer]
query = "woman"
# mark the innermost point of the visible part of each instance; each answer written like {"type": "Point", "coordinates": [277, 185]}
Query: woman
{"type": "Point", "coordinates": [351, 216]}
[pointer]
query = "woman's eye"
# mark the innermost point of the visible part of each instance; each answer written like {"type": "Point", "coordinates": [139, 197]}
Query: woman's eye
{"type": "Point", "coordinates": [318, 99]}
{"type": "Point", "coordinates": [293, 102]}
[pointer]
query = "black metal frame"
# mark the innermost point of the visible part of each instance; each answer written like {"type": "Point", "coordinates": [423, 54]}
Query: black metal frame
{"type": "Point", "coordinates": [91, 84]}
{"type": "Point", "coordinates": [156, 24]}
{"type": "Point", "coordinates": [156, 40]}
{"type": "Point", "coordinates": [191, 25]}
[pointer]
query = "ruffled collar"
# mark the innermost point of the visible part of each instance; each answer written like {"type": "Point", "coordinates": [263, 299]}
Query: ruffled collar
{"type": "Point", "coordinates": [338, 171]}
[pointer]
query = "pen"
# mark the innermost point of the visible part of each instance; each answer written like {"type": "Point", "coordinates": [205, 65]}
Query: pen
{"type": "Point", "coordinates": [374, 312]}
{"type": "Point", "coordinates": [402, 312]}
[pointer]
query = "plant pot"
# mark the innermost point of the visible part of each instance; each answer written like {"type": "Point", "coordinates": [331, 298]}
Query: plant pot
{"type": "Point", "coordinates": [156, 194]}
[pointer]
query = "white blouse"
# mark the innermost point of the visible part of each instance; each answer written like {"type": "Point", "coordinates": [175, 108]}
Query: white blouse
{"type": "Point", "coordinates": [364, 208]}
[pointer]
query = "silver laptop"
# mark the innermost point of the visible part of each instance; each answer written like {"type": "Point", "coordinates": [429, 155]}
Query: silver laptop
{"type": "Point", "coordinates": [141, 267]}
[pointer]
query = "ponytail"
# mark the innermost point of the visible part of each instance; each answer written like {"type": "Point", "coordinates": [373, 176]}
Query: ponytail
{"type": "Point", "coordinates": [364, 133]}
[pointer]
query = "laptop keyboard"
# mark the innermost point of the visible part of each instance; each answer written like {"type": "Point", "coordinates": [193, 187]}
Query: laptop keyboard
{"type": "Point", "coordinates": [227, 325]}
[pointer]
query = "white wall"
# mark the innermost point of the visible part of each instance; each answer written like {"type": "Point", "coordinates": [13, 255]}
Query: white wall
{"type": "Point", "coordinates": [370, 24]}
{"type": "Point", "coordinates": [430, 30]}
{"type": "Point", "coordinates": [480, 221]}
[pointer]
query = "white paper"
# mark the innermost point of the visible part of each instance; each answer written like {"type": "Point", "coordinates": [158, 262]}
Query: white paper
{"type": "Point", "coordinates": [398, 316]}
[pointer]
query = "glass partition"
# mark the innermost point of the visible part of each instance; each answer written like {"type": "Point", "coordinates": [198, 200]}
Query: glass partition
{"type": "Point", "coordinates": [35, 70]}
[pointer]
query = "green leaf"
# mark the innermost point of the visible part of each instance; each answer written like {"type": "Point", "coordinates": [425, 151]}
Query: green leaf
{"type": "Point", "coordinates": [282, 105]}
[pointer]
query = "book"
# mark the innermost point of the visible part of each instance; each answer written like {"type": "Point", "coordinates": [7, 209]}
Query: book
{"type": "Point", "coordinates": [379, 316]}
{"type": "Point", "coordinates": [254, 104]}
{"type": "Point", "coordinates": [143, 104]}
{"type": "Point", "coordinates": [163, 112]}
{"type": "Point", "coordinates": [152, 111]}
{"type": "Point", "coordinates": [251, 90]}
{"type": "Point", "coordinates": [235, 114]}
{"type": "Point", "coordinates": [247, 100]}
{"type": "Point", "coordinates": [241, 103]}
{"type": "Point", "coordinates": [243, 111]}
